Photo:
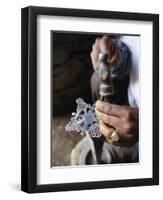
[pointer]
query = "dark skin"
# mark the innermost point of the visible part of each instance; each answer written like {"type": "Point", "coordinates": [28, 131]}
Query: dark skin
{"type": "Point", "coordinates": [124, 119]}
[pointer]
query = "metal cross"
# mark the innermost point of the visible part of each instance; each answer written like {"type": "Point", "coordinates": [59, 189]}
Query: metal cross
{"type": "Point", "coordinates": [84, 120]}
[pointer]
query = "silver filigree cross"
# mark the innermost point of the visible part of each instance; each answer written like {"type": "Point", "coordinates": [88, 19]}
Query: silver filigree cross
{"type": "Point", "coordinates": [84, 120]}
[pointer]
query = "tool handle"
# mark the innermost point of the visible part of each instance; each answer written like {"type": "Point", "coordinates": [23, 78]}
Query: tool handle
{"type": "Point", "coordinates": [106, 89]}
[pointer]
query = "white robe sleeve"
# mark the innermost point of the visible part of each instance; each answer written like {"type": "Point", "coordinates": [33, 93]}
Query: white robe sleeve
{"type": "Point", "coordinates": [133, 43]}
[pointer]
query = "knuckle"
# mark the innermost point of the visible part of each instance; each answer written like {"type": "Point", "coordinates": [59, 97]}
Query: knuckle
{"type": "Point", "coordinates": [106, 109]}
{"type": "Point", "coordinates": [102, 40]}
{"type": "Point", "coordinates": [110, 108]}
{"type": "Point", "coordinates": [124, 108]}
{"type": "Point", "coordinates": [128, 115]}
{"type": "Point", "coordinates": [104, 118]}
{"type": "Point", "coordinates": [105, 38]}
{"type": "Point", "coordinates": [102, 106]}
{"type": "Point", "coordinates": [97, 40]}
{"type": "Point", "coordinates": [108, 131]}
{"type": "Point", "coordinates": [128, 128]}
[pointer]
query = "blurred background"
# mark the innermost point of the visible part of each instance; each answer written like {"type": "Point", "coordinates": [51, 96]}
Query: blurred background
{"type": "Point", "coordinates": [72, 70]}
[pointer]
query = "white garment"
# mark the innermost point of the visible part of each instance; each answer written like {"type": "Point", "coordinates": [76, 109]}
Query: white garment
{"type": "Point", "coordinates": [133, 43]}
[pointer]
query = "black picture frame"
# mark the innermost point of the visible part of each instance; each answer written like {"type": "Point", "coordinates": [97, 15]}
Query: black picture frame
{"type": "Point", "coordinates": [29, 98]}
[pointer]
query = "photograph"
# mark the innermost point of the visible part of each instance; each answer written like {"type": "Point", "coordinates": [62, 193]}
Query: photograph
{"type": "Point", "coordinates": [95, 98]}
{"type": "Point", "coordinates": [90, 93]}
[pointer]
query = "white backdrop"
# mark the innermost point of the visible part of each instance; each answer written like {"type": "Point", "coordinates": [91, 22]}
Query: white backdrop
{"type": "Point", "coordinates": [10, 79]}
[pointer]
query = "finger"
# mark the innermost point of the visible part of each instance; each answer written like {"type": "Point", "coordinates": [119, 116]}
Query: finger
{"type": "Point", "coordinates": [110, 141]}
{"type": "Point", "coordinates": [104, 44]}
{"type": "Point", "coordinates": [97, 44]}
{"type": "Point", "coordinates": [121, 142]}
{"type": "Point", "coordinates": [109, 120]}
{"type": "Point", "coordinates": [124, 141]}
{"type": "Point", "coordinates": [95, 61]}
{"type": "Point", "coordinates": [116, 143]}
{"type": "Point", "coordinates": [108, 46]}
{"type": "Point", "coordinates": [95, 54]}
{"type": "Point", "coordinates": [95, 51]}
{"type": "Point", "coordinates": [110, 109]}
{"type": "Point", "coordinates": [106, 130]}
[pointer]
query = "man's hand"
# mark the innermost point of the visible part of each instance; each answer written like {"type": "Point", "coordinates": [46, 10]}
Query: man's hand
{"type": "Point", "coordinates": [123, 119]}
{"type": "Point", "coordinates": [104, 45]}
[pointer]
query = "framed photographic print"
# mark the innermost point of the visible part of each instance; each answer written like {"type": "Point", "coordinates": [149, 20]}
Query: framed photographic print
{"type": "Point", "coordinates": [90, 99]}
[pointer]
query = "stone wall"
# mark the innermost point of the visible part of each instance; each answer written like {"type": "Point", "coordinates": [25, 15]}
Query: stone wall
{"type": "Point", "coordinates": [72, 70]}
